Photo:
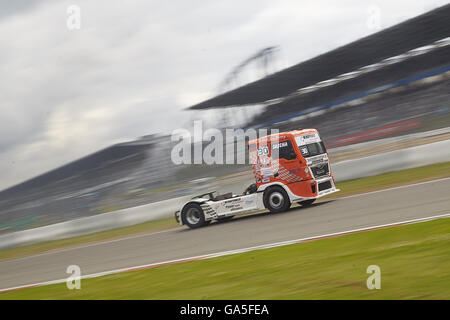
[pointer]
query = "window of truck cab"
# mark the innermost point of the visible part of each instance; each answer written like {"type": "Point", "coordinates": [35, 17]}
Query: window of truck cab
{"type": "Point", "coordinates": [282, 150]}
{"type": "Point", "coordinates": [310, 149]}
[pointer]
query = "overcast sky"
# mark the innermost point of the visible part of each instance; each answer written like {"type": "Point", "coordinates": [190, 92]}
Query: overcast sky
{"type": "Point", "coordinates": [133, 65]}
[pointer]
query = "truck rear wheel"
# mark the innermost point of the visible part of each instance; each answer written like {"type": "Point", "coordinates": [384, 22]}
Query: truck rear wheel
{"type": "Point", "coordinates": [193, 216]}
{"type": "Point", "coordinates": [276, 200]}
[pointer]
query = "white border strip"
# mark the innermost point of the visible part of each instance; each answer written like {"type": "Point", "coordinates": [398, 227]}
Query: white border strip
{"type": "Point", "coordinates": [230, 252]}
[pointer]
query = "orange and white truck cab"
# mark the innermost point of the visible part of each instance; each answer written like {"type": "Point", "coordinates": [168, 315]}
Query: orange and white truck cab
{"type": "Point", "coordinates": [288, 167]}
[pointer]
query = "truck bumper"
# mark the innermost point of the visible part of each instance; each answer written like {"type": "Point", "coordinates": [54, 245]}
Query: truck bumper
{"type": "Point", "coordinates": [311, 189]}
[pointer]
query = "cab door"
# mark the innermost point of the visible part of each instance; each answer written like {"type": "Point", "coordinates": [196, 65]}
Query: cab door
{"type": "Point", "coordinates": [287, 162]}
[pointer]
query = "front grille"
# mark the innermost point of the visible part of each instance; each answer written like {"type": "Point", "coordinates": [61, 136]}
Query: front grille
{"type": "Point", "coordinates": [320, 170]}
{"type": "Point", "coordinates": [325, 185]}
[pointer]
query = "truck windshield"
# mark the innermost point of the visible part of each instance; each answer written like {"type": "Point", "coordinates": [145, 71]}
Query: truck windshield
{"type": "Point", "coordinates": [312, 149]}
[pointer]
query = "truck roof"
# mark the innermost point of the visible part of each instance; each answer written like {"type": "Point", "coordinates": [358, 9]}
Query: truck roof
{"type": "Point", "coordinates": [283, 135]}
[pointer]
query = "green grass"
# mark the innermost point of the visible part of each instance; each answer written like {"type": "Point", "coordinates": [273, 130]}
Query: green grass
{"type": "Point", "coordinates": [414, 261]}
{"type": "Point", "coordinates": [387, 180]}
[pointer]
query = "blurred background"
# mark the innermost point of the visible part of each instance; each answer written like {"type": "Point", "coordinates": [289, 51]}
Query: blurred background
{"type": "Point", "coordinates": [371, 79]}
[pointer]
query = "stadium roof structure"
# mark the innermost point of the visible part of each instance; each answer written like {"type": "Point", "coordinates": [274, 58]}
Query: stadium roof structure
{"type": "Point", "coordinates": [411, 34]}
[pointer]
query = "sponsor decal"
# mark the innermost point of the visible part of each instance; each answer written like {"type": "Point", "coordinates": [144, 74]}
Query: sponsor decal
{"type": "Point", "coordinates": [209, 211]}
{"type": "Point", "coordinates": [267, 173]}
{"type": "Point", "coordinates": [233, 200]}
{"type": "Point", "coordinates": [279, 145]}
{"type": "Point", "coordinates": [233, 204]}
{"type": "Point", "coordinates": [304, 151]}
{"type": "Point", "coordinates": [316, 160]}
{"type": "Point", "coordinates": [234, 207]}
{"type": "Point", "coordinates": [307, 139]}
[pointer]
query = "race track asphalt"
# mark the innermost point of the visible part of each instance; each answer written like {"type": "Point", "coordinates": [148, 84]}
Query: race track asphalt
{"type": "Point", "coordinates": [324, 217]}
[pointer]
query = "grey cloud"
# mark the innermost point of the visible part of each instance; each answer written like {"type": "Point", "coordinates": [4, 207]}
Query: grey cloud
{"type": "Point", "coordinates": [10, 8]}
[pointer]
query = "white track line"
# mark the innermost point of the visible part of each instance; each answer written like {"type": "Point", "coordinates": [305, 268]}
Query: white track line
{"type": "Point", "coordinates": [230, 252]}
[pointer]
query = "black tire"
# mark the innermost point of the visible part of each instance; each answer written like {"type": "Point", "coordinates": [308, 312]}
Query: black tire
{"type": "Point", "coordinates": [193, 216]}
{"type": "Point", "coordinates": [307, 203]}
{"type": "Point", "coordinates": [276, 199]}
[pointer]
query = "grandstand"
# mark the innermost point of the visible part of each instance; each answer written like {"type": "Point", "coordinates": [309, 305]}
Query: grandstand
{"type": "Point", "coordinates": [415, 68]}
{"type": "Point", "coordinates": [423, 102]}
{"type": "Point", "coordinates": [396, 74]}
{"type": "Point", "coordinates": [411, 34]}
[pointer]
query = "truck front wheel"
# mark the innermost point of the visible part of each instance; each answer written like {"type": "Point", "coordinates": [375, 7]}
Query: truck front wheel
{"type": "Point", "coordinates": [276, 200]}
{"type": "Point", "coordinates": [193, 216]}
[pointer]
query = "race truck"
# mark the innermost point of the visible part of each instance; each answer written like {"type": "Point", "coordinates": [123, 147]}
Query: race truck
{"type": "Point", "coordinates": [288, 167]}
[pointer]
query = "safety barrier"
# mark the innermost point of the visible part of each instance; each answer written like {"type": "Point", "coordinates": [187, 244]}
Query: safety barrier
{"type": "Point", "coordinates": [98, 223]}
{"type": "Point", "coordinates": [408, 158]}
